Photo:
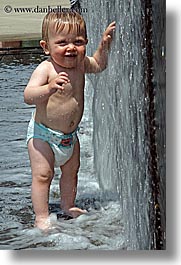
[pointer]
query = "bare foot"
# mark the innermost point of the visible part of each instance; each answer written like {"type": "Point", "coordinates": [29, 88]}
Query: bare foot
{"type": "Point", "coordinates": [75, 212]}
{"type": "Point", "coordinates": [45, 223]}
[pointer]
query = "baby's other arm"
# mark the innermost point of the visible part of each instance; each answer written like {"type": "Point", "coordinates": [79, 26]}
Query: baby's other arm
{"type": "Point", "coordinates": [98, 62]}
{"type": "Point", "coordinates": [38, 89]}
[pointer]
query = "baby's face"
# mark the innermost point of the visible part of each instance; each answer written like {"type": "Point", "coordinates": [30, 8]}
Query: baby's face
{"type": "Point", "coordinates": [67, 49]}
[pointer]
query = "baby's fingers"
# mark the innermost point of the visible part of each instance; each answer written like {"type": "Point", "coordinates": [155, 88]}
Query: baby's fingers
{"type": "Point", "coordinates": [63, 80]}
{"type": "Point", "coordinates": [110, 28]}
{"type": "Point", "coordinates": [112, 24]}
{"type": "Point", "coordinates": [63, 74]}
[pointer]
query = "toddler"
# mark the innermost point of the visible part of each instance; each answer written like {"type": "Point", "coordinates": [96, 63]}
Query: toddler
{"type": "Point", "coordinates": [56, 87]}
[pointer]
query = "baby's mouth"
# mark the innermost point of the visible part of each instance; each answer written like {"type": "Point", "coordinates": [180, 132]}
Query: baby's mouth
{"type": "Point", "coordinates": [71, 55]}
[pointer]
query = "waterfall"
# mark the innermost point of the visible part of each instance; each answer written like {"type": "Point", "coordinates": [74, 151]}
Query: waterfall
{"type": "Point", "coordinates": [123, 112]}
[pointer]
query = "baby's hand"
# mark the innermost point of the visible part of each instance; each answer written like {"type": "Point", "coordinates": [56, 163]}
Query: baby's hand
{"type": "Point", "coordinates": [108, 34]}
{"type": "Point", "coordinates": [59, 81]}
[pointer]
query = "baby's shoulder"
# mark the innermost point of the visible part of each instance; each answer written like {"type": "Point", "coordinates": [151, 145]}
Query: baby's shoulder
{"type": "Point", "coordinates": [45, 65]}
{"type": "Point", "coordinates": [42, 70]}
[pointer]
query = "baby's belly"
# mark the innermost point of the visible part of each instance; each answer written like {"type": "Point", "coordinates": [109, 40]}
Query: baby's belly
{"type": "Point", "coordinates": [64, 117]}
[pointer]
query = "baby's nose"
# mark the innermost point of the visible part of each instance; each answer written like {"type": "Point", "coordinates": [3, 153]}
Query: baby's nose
{"type": "Point", "coordinates": [71, 46]}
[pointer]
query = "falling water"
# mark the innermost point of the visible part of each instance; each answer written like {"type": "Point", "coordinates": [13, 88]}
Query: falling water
{"type": "Point", "coordinates": [123, 119]}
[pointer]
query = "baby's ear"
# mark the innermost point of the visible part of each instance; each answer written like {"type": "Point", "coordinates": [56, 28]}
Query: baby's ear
{"type": "Point", "coordinates": [44, 45]}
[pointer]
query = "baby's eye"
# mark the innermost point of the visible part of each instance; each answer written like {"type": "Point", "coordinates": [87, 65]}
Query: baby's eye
{"type": "Point", "coordinates": [79, 42]}
{"type": "Point", "coordinates": [62, 43]}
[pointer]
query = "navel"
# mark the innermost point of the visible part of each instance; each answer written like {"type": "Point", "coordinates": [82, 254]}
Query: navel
{"type": "Point", "coordinates": [72, 124]}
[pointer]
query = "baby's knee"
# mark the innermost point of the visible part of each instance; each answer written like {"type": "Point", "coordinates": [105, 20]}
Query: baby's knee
{"type": "Point", "coordinates": [45, 176]}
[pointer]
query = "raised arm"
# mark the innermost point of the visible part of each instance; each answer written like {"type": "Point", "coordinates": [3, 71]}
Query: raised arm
{"type": "Point", "coordinates": [98, 61]}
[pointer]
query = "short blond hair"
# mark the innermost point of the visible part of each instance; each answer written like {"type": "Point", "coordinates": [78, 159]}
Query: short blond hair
{"type": "Point", "coordinates": [57, 21]}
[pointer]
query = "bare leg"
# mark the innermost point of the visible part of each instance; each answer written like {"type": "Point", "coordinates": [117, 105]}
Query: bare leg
{"type": "Point", "coordinates": [68, 183]}
{"type": "Point", "coordinates": [42, 166]}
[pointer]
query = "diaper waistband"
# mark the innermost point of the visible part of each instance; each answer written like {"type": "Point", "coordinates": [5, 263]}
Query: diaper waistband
{"type": "Point", "coordinates": [58, 133]}
{"type": "Point", "coordinates": [54, 133]}
{"type": "Point", "coordinates": [39, 130]}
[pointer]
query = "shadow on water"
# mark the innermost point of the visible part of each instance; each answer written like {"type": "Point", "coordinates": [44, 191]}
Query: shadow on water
{"type": "Point", "coordinates": [21, 52]}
